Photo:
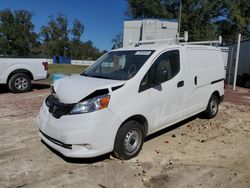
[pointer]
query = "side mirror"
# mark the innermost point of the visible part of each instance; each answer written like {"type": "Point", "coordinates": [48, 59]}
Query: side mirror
{"type": "Point", "coordinates": [160, 76]}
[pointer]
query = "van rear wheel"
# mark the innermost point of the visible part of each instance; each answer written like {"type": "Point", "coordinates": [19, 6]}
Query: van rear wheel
{"type": "Point", "coordinates": [212, 107]}
{"type": "Point", "coordinates": [129, 140]}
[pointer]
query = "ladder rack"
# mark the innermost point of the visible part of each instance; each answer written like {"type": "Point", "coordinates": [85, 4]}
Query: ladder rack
{"type": "Point", "coordinates": [207, 42]}
{"type": "Point", "coordinates": [158, 41]}
{"type": "Point", "coordinates": [177, 40]}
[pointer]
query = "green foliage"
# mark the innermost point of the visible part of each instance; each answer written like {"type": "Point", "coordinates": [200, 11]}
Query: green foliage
{"type": "Point", "coordinates": [17, 37]}
{"type": "Point", "coordinates": [78, 29]}
{"type": "Point", "coordinates": [197, 18]}
{"type": "Point", "coordinates": [204, 19]}
{"type": "Point", "coordinates": [237, 20]}
{"type": "Point", "coordinates": [55, 36]}
{"type": "Point", "coordinates": [84, 50]}
{"type": "Point", "coordinates": [56, 40]}
{"type": "Point", "coordinates": [145, 8]}
{"type": "Point", "coordinates": [76, 46]}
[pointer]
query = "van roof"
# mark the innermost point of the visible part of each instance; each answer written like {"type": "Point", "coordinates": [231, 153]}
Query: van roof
{"type": "Point", "coordinates": [165, 46]}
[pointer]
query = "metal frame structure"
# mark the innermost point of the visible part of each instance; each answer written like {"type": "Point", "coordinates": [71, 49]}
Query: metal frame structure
{"type": "Point", "coordinates": [177, 41]}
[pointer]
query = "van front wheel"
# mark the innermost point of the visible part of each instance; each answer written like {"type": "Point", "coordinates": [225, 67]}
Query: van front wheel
{"type": "Point", "coordinates": [129, 140]}
{"type": "Point", "coordinates": [212, 107]}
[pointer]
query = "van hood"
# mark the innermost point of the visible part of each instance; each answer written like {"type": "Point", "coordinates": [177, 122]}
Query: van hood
{"type": "Point", "coordinates": [72, 89]}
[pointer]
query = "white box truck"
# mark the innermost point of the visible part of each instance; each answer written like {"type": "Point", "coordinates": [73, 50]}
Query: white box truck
{"type": "Point", "coordinates": [128, 94]}
{"type": "Point", "coordinates": [18, 72]}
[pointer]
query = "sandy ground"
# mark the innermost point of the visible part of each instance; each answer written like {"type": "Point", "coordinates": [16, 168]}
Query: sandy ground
{"type": "Point", "coordinates": [194, 153]}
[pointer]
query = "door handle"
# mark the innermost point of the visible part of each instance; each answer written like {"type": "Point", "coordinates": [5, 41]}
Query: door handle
{"type": "Point", "coordinates": [195, 80]}
{"type": "Point", "coordinates": [180, 84]}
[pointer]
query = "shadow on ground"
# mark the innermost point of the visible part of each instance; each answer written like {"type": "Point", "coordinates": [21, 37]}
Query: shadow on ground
{"type": "Point", "coordinates": [35, 86]}
{"type": "Point", "coordinates": [170, 128]}
{"type": "Point", "coordinates": [40, 86]}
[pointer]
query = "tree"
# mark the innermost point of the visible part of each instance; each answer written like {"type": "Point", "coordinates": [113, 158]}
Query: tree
{"type": "Point", "coordinates": [56, 41]}
{"type": "Point", "coordinates": [78, 29]}
{"type": "Point", "coordinates": [76, 44]}
{"type": "Point", "coordinates": [204, 19]}
{"type": "Point", "coordinates": [17, 37]}
{"type": "Point", "coordinates": [90, 52]}
{"type": "Point", "coordinates": [198, 18]}
{"type": "Point", "coordinates": [145, 9]}
{"type": "Point", "coordinates": [236, 20]}
{"type": "Point", "coordinates": [117, 41]}
{"type": "Point", "coordinates": [55, 36]}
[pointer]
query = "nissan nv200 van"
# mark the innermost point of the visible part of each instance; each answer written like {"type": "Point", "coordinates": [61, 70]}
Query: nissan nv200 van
{"type": "Point", "coordinates": [128, 94]}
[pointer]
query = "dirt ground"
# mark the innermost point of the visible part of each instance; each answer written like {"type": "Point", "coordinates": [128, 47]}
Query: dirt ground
{"type": "Point", "coordinates": [193, 153]}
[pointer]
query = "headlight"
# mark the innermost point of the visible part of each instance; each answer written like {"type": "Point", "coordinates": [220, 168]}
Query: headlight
{"type": "Point", "coordinates": [91, 105]}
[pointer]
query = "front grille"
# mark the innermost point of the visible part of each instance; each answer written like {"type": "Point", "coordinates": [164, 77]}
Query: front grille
{"type": "Point", "coordinates": [67, 146]}
{"type": "Point", "coordinates": [56, 108]}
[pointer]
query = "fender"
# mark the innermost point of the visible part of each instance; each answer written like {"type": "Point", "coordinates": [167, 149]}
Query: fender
{"type": "Point", "coordinates": [14, 67]}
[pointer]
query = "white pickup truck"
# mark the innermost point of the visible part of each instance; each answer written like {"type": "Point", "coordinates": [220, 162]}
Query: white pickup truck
{"type": "Point", "coordinates": [18, 72]}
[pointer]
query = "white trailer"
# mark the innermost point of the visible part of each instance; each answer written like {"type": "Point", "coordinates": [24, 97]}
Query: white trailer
{"type": "Point", "coordinates": [148, 29]}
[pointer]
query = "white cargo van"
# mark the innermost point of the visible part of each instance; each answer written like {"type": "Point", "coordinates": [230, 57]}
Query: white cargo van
{"type": "Point", "coordinates": [128, 94]}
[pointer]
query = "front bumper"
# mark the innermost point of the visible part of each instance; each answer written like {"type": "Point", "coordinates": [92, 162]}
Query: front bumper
{"type": "Point", "coordinates": [79, 136]}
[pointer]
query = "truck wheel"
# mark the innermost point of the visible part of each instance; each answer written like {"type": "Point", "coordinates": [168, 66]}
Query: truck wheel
{"type": "Point", "coordinates": [20, 83]}
{"type": "Point", "coordinates": [129, 140]}
{"type": "Point", "coordinates": [212, 107]}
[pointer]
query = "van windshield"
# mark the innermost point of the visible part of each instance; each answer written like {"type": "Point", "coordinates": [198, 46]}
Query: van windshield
{"type": "Point", "coordinates": [118, 65]}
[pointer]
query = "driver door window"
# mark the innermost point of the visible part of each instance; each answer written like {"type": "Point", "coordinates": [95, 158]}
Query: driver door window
{"type": "Point", "coordinates": [168, 62]}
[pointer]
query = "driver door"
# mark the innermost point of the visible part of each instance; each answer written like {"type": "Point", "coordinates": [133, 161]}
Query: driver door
{"type": "Point", "coordinates": [167, 85]}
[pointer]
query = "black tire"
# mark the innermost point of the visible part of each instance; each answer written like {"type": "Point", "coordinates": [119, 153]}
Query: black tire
{"type": "Point", "coordinates": [19, 83]}
{"type": "Point", "coordinates": [129, 140]}
{"type": "Point", "coordinates": [212, 107]}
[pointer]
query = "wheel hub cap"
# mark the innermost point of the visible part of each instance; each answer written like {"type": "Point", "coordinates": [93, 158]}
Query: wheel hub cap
{"type": "Point", "coordinates": [132, 141]}
{"type": "Point", "coordinates": [21, 83]}
{"type": "Point", "coordinates": [214, 107]}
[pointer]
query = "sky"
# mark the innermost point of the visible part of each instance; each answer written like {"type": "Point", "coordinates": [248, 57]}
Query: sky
{"type": "Point", "coordinates": [103, 19]}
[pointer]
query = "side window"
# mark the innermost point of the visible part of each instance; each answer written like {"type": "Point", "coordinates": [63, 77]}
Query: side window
{"type": "Point", "coordinates": [166, 66]}
{"type": "Point", "coordinates": [169, 62]}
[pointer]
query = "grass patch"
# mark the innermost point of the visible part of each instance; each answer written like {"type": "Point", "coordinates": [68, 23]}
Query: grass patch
{"type": "Point", "coordinates": [63, 69]}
